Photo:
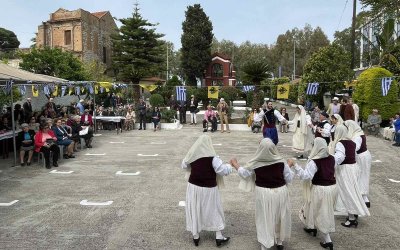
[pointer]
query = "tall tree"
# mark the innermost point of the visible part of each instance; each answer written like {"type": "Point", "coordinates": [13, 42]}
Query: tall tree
{"type": "Point", "coordinates": [53, 62]}
{"type": "Point", "coordinates": [390, 7]}
{"type": "Point", "coordinates": [196, 42]}
{"type": "Point", "coordinates": [8, 39]}
{"type": "Point", "coordinates": [138, 50]}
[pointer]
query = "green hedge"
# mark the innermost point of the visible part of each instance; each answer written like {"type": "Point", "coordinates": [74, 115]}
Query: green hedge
{"type": "Point", "coordinates": [368, 94]}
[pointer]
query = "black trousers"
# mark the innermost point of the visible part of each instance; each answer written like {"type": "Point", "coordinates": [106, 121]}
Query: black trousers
{"type": "Point", "coordinates": [213, 124]}
{"type": "Point", "coordinates": [182, 116]}
{"type": "Point", "coordinates": [142, 120]}
{"type": "Point", "coordinates": [46, 151]}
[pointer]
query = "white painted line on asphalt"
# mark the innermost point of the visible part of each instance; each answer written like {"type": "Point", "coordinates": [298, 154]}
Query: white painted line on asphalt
{"type": "Point", "coordinates": [217, 144]}
{"type": "Point", "coordinates": [121, 173]}
{"type": "Point", "coordinates": [60, 172]}
{"type": "Point", "coordinates": [158, 143]}
{"type": "Point", "coordinates": [302, 159]}
{"type": "Point", "coordinates": [147, 155]}
{"type": "Point", "coordinates": [115, 142]}
{"type": "Point", "coordinates": [86, 203]}
{"type": "Point", "coordinates": [182, 203]}
{"type": "Point", "coordinates": [97, 134]}
{"type": "Point", "coordinates": [394, 181]}
{"type": "Point", "coordinates": [1, 171]}
{"type": "Point", "coordinates": [285, 146]}
{"type": "Point", "coordinates": [95, 154]}
{"type": "Point", "coordinates": [377, 161]}
{"type": "Point", "coordinates": [8, 204]}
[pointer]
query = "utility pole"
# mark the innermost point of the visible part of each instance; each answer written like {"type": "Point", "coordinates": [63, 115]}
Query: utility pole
{"type": "Point", "coordinates": [353, 34]}
{"type": "Point", "coordinates": [167, 63]}
{"type": "Point", "coordinates": [294, 59]}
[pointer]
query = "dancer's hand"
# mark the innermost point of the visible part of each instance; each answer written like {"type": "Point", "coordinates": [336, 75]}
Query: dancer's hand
{"type": "Point", "coordinates": [234, 163]}
{"type": "Point", "coordinates": [291, 162]}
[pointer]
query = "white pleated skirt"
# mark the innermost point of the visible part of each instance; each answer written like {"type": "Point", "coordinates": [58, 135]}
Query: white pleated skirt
{"type": "Point", "coordinates": [298, 140]}
{"type": "Point", "coordinates": [321, 213]}
{"type": "Point", "coordinates": [364, 161]}
{"type": "Point", "coordinates": [273, 220]}
{"type": "Point", "coordinates": [203, 209]}
{"type": "Point", "coordinates": [347, 176]}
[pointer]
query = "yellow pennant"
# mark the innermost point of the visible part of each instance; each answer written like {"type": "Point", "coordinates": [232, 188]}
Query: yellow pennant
{"type": "Point", "coordinates": [213, 92]}
{"type": "Point", "coordinates": [147, 87]}
{"type": "Point", "coordinates": [55, 92]}
{"type": "Point", "coordinates": [282, 91]}
{"type": "Point", "coordinates": [70, 90]}
{"type": "Point", "coordinates": [35, 91]}
{"type": "Point", "coordinates": [83, 90]}
{"type": "Point", "coordinates": [96, 89]}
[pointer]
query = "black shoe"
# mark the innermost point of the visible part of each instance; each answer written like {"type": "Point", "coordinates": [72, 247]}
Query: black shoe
{"type": "Point", "coordinates": [311, 231]}
{"type": "Point", "coordinates": [221, 241]}
{"type": "Point", "coordinates": [205, 130]}
{"type": "Point", "coordinates": [279, 247]}
{"type": "Point", "coordinates": [71, 156]}
{"type": "Point", "coordinates": [66, 157]}
{"type": "Point", "coordinates": [22, 164]}
{"type": "Point", "coordinates": [89, 146]}
{"type": "Point", "coordinates": [48, 166]}
{"type": "Point", "coordinates": [28, 163]}
{"type": "Point", "coordinates": [368, 204]}
{"type": "Point", "coordinates": [196, 241]}
{"type": "Point", "coordinates": [140, 129]}
{"type": "Point", "coordinates": [55, 164]}
{"type": "Point", "coordinates": [327, 245]}
{"type": "Point", "coordinates": [350, 224]}
{"type": "Point", "coordinates": [396, 144]}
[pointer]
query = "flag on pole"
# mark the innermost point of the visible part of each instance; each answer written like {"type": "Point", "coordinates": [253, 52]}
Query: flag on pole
{"type": "Point", "coordinates": [248, 88]}
{"type": "Point", "coordinates": [35, 90]}
{"type": "Point", "coordinates": [22, 89]}
{"type": "Point", "coordinates": [386, 82]}
{"type": "Point", "coordinates": [180, 93]}
{"type": "Point", "coordinates": [312, 88]}
{"type": "Point", "coordinates": [282, 91]}
{"type": "Point", "coordinates": [213, 92]}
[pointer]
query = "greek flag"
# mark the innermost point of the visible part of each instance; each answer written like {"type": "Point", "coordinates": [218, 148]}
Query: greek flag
{"type": "Point", "coordinates": [386, 82]}
{"type": "Point", "coordinates": [248, 88]}
{"type": "Point", "coordinates": [8, 87]}
{"type": "Point", "coordinates": [22, 89]}
{"type": "Point", "coordinates": [312, 88]}
{"type": "Point", "coordinates": [180, 93]}
{"type": "Point", "coordinates": [91, 91]}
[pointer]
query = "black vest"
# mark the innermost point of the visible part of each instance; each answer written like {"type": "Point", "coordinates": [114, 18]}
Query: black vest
{"type": "Point", "coordinates": [269, 118]}
{"type": "Point", "coordinates": [363, 147]}
{"type": "Point", "coordinates": [270, 176]}
{"type": "Point", "coordinates": [202, 173]}
{"type": "Point", "coordinates": [350, 151]}
{"type": "Point", "coordinates": [325, 175]}
{"type": "Point", "coordinates": [318, 134]}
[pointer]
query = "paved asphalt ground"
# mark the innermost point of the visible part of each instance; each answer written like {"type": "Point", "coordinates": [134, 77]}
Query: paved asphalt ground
{"type": "Point", "coordinates": [145, 214]}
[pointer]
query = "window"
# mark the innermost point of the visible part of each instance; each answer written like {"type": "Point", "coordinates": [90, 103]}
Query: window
{"type": "Point", "coordinates": [217, 70]}
{"type": "Point", "coordinates": [104, 55]}
{"type": "Point", "coordinates": [67, 37]}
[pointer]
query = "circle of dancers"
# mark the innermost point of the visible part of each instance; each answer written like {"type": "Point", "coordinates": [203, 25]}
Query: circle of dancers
{"type": "Point", "coordinates": [335, 179]}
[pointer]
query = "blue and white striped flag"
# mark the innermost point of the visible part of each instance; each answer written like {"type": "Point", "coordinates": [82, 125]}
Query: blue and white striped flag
{"type": "Point", "coordinates": [248, 88]}
{"type": "Point", "coordinates": [46, 90]}
{"type": "Point", "coordinates": [63, 89]}
{"type": "Point", "coordinates": [386, 82]}
{"type": "Point", "coordinates": [101, 90]}
{"type": "Point", "coordinates": [180, 93]}
{"type": "Point", "coordinates": [312, 88]}
{"type": "Point", "coordinates": [91, 91]}
{"type": "Point", "coordinates": [8, 87]}
{"type": "Point", "coordinates": [77, 90]}
{"type": "Point", "coordinates": [22, 89]}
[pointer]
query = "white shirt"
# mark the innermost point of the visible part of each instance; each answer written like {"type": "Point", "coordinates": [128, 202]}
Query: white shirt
{"type": "Point", "coordinates": [309, 171]}
{"type": "Point", "coordinates": [287, 173]}
{"type": "Point", "coordinates": [358, 142]}
{"type": "Point", "coordinates": [326, 130]}
{"type": "Point", "coordinates": [219, 166]}
{"type": "Point", "coordinates": [276, 113]}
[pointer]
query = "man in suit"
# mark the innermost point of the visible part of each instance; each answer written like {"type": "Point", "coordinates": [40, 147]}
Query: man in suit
{"type": "Point", "coordinates": [27, 109]}
{"type": "Point", "coordinates": [142, 114]}
{"type": "Point", "coordinates": [182, 111]}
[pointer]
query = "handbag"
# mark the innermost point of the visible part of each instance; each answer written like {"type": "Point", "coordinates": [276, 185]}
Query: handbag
{"type": "Point", "coordinates": [84, 131]}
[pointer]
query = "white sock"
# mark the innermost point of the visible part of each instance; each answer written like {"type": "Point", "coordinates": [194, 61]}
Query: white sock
{"type": "Point", "coordinates": [218, 235]}
{"type": "Point", "coordinates": [327, 238]}
{"type": "Point", "coordinates": [365, 198]}
{"type": "Point", "coordinates": [279, 242]}
{"type": "Point", "coordinates": [352, 217]}
{"type": "Point", "coordinates": [196, 236]}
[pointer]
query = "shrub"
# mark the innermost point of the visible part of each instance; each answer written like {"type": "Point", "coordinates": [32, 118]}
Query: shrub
{"type": "Point", "coordinates": [168, 115]}
{"type": "Point", "coordinates": [368, 94]}
{"type": "Point", "coordinates": [156, 100]}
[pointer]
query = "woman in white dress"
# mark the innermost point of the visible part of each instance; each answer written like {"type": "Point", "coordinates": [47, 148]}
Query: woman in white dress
{"type": "Point", "coordinates": [268, 173]}
{"type": "Point", "coordinates": [363, 157]}
{"type": "Point", "coordinates": [203, 203]}
{"type": "Point", "coordinates": [347, 174]}
{"type": "Point", "coordinates": [320, 198]}
{"type": "Point", "coordinates": [302, 128]}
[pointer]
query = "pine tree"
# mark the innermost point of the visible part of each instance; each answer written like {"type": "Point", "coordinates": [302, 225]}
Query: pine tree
{"type": "Point", "coordinates": [138, 50]}
{"type": "Point", "coordinates": [196, 43]}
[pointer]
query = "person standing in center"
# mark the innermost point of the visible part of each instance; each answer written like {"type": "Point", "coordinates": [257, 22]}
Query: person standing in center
{"type": "Point", "coordinates": [142, 114]}
{"type": "Point", "coordinates": [192, 104]}
{"type": "Point", "coordinates": [267, 174]}
{"type": "Point", "coordinates": [203, 203]}
{"type": "Point", "coordinates": [269, 115]}
{"type": "Point", "coordinates": [302, 127]}
{"type": "Point", "coordinates": [223, 109]}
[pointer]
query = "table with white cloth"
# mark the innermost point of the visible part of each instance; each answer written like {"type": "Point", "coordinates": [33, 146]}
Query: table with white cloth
{"type": "Point", "coordinates": [116, 119]}
{"type": "Point", "coordinates": [4, 141]}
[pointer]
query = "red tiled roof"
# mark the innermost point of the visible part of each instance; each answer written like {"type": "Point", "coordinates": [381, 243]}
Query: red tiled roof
{"type": "Point", "coordinates": [99, 14]}
{"type": "Point", "coordinates": [223, 56]}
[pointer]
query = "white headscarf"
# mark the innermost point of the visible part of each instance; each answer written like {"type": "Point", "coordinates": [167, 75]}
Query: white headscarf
{"type": "Point", "coordinates": [354, 129]}
{"type": "Point", "coordinates": [340, 134]}
{"type": "Point", "coordinates": [202, 148]}
{"type": "Point", "coordinates": [302, 118]}
{"type": "Point", "coordinates": [266, 154]}
{"type": "Point", "coordinates": [339, 119]}
{"type": "Point", "coordinates": [319, 150]}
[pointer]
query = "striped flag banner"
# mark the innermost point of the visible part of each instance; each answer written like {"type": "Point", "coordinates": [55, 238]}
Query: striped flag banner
{"type": "Point", "coordinates": [77, 90]}
{"type": "Point", "coordinates": [312, 88]}
{"type": "Point", "coordinates": [46, 90]}
{"type": "Point", "coordinates": [180, 93]}
{"type": "Point", "coordinates": [8, 87]}
{"type": "Point", "coordinates": [386, 82]}
{"type": "Point", "coordinates": [22, 89]}
{"type": "Point", "coordinates": [248, 88]}
{"type": "Point", "coordinates": [63, 89]}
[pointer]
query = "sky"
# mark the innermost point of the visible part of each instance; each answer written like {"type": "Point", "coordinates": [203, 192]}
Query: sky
{"type": "Point", "coordinates": [257, 21]}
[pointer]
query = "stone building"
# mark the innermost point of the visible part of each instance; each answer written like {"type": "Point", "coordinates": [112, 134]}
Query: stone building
{"type": "Point", "coordinates": [220, 71]}
{"type": "Point", "coordinates": [85, 34]}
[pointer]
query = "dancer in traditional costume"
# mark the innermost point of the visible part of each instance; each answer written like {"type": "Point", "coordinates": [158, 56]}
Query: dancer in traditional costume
{"type": "Point", "coordinates": [268, 173]}
{"type": "Point", "coordinates": [203, 203]}
{"type": "Point", "coordinates": [347, 174]}
{"type": "Point", "coordinates": [320, 197]}
{"type": "Point", "coordinates": [269, 115]}
{"type": "Point", "coordinates": [302, 128]}
{"type": "Point", "coordinates": [363, 157]}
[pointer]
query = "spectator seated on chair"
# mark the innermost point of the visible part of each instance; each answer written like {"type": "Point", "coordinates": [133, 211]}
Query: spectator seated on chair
{"type": "Point", "coordinates": [26, 141]}
{"type": "Point", "coordinates": [130, 119]}
{"type": "Point", "coordinates": [373, 123]}
{"type": "Point", "coordinates": [210, 116]}
{"type": "Point", "coordinates": [64, 139]}
{"type": "Point", "coordinates": [389, 132]}
{"type": "Point", "coordinates": [255, 121]}
{"type": "Point", "coordinates": [396, 124]}
{"type": "Point", "coordinates": [86, 134]}
{"type": "Point", "coordinates": [45, 142]}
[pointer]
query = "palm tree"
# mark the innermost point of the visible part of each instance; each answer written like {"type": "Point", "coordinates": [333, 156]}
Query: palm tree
{"type": "Point", "coordinates": [253, 74]}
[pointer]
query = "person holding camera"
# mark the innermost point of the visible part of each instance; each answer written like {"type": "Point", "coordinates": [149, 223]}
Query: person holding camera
{"type": "Point", "coordinates": [210, 116]}
{"type": "Point", "coordinates": [45, 142]}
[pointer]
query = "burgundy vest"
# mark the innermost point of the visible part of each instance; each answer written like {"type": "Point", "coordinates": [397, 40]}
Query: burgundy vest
{"type": "Point", "coordinates": [325, 175]}
{"type": "Point", "coordinates": [363, 147]}
{"type": "Point", "coordinates": [270, 176]}
{"type": "Point", "coordinates": [202, 173]}
{"type": "Point", "coordinates": [350, 151]}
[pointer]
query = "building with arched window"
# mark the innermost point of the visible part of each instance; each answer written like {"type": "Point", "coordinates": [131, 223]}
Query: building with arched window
{"type": "Point", "coordinates": [220, 71]}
